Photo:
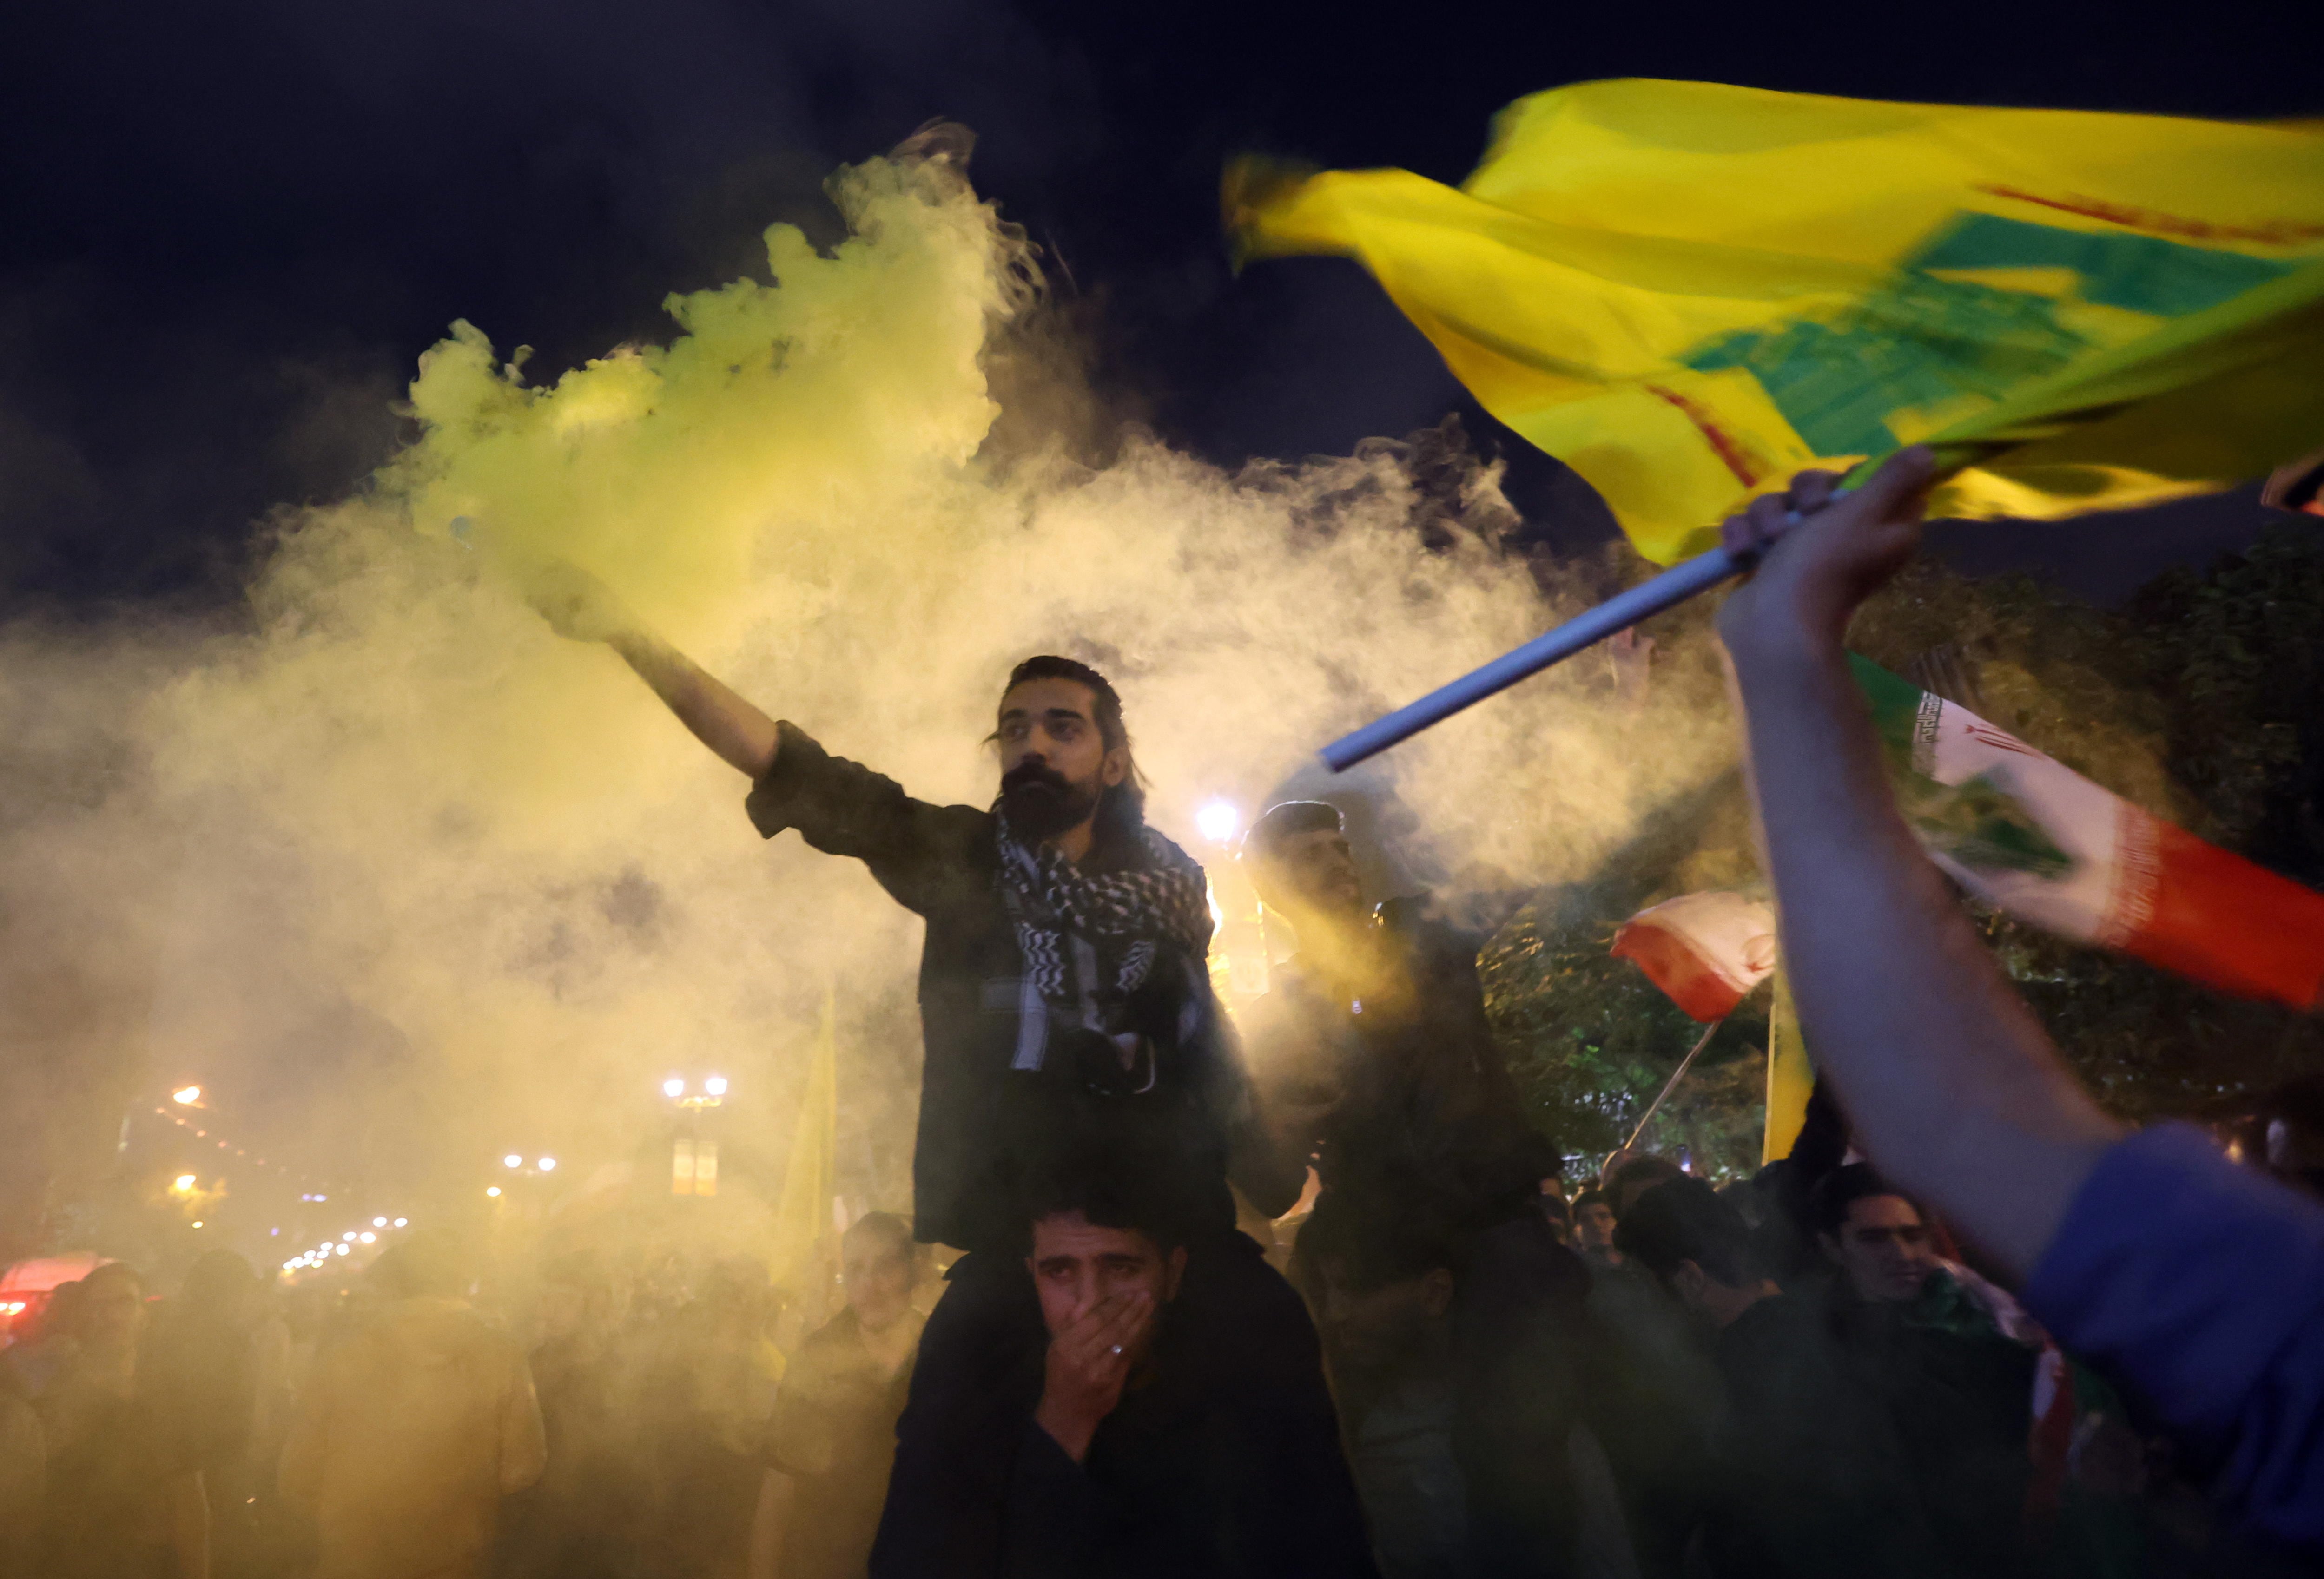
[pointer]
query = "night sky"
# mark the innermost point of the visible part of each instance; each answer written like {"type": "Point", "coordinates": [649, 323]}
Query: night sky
{"type": "Point", "coordinates": [230, 230]}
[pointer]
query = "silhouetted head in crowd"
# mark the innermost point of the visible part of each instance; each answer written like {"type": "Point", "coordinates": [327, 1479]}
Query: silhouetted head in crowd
{"type": "Point", "coordinates": [877, 1259]}
{"type": "Point", "coordinates": [1593, 1221]}
{"type": "Point", "coordinates": [1636, 1175]}
{"type": "Point", "coordinates": [1874, 1232]}
{"type": "Point", "coordinates": [1064, 753]}
{"type": "Point", "coordinates": [1107, 1224]}
{"type": "Point", "coordinates": [427, 1266]}
{"type": "Point", "coordinates": [578, 1299]}
{"type": "Point", "coordinates": [108, 1315]}
{"type": "Point", "coordinates": [1698, 1246]}
{"type": "Point", "coordinates": [1300, 861]}
{"type": "Point", "coordinates": [222, 1288]}
{"type": "Point", "coordinates": [1388, 1276]}
{"type": "Point", "coordinates": [58, 1313]}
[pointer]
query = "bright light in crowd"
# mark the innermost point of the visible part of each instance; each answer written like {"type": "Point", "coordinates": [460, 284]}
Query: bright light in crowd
{"type": "Point", "coordinates": [401, 1221]}
{"type": "Point", "coordinates": [185, 1181]}
{"type": "Point", "coordinates": [342, 1249]}
{"type": "Point", "coordinates": [187, 1096]}
{"type": "Point", "coordinates": [673, 1088]}
{"type": "Point", "coordinates": [715, 1084]}
{"type": "Point", "coordinates": [366, 1238]}
{"type": "Point", "coordinates": [379, 1222]}
{"type": "Point", "coordinates": [350, 1233]}
{"type": "Point", "coordinates": [492, 1189]}
{"type": "Point", "coordinates": [513, 1161]}
{"type": "Point", "coordinates": [198, 1222]}
{"type": "Point", "coordinates": [1218, 821]}
{"type": "Point", "coordinates": [547, 1164]}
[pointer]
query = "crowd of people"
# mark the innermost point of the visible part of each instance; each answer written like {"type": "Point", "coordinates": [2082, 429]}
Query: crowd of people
{"type": "Point", "coordinates": [1300, 1294]}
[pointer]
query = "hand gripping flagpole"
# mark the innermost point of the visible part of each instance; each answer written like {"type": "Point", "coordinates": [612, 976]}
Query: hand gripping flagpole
{"type": "Point", "coordinates": [1690, 579]}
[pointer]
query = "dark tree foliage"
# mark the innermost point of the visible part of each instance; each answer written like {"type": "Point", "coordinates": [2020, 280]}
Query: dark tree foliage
{"type": "Point", "coordinates": [1590, 1040]}
{"type": "Point", "coordinates": [2202, 699]}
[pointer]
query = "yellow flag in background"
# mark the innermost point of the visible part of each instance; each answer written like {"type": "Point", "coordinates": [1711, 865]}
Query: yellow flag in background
{"type": "Point", "coordinates": [803, 1216]}
{"type": "Point", "coordinates": [1688, 291]}
{"type": "Point", "coordinates": [1791, 1079]}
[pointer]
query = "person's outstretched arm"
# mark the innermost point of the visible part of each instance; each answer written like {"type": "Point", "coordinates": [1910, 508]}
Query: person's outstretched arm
{"type": "Point", "coordinates": [1953, 1086]}
{"type": "Point", "coordinates": [580, 607]}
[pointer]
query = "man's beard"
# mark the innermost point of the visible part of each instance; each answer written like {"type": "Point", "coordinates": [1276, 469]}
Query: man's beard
{"type": "Point", "coordinates": [1042, 802]}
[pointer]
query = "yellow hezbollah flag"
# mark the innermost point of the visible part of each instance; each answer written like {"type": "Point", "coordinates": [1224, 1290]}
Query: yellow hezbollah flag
{"type": "Point", "coordinates": [1688, 291]}
{"type": "Point", "coordinates": [803, 1218]}
{"type": "Point", "coordinates": [1791, 1079]}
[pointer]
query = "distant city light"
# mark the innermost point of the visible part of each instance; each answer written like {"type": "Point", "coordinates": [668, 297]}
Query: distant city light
{"type": "Point", "coordinates": [349, 1234]}
{"type": "Point", "coordinates": [186, 1096]}
{"type": "Point", "coordinates": [379, 1222]}
{"type": "Point", "coordinates": [715, 1084]}
{"type": "Point", "coordinates": [184, 1181]}
{"type": "Point", "coordinates": [492, 1189]}
{"type": "Point", "coordinates": [342, 1249]}
{"type": "Point", "coordinates": [513, 1161]}
{"type": "Point", "coordinates": [1218, 821]}
{"type": "Point", "coordinates": [198, 1222]}
{"type": "Point", "coordinates": [366, 1238]}
{"type": "Point", "coordinates": [673, 1086]}
{"type": "Point", "coordinates": [548, 1164]}
{"type": "Point", "coordinates": [401, 1221]}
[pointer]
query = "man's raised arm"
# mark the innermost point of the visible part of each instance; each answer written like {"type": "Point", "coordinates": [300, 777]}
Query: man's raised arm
{"type": "Point", "coordinates": [1951, 1084]}
{"type": "Point", "coordinates": [581, 608]}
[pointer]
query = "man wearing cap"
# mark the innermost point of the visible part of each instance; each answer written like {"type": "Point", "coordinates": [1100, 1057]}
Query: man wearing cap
{"type": "Point", "coordinates": [1380, 1070]}
{"type": "Point", "coordinates": [1373, 1041]}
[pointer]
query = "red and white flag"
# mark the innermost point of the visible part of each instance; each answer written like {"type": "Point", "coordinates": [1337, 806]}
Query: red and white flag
{"type": "Point", "coordinates": [1705, 950]}
{"type": "Point", "coordinates": [2037, 841]}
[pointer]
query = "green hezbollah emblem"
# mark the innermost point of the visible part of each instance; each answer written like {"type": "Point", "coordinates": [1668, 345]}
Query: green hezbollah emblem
{"type": "Point", "coordinates": [1986, 305]}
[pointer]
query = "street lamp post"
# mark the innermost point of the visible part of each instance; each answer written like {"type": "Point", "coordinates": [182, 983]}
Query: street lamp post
{"type": "Point", "coordinates": [693, 1161]}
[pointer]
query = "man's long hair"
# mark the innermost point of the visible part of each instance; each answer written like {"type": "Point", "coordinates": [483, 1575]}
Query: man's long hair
{"type": "Point", "coordinates": [1121, 807]}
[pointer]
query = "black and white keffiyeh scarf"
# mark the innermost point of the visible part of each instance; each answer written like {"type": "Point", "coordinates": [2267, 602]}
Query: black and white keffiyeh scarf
{"type": "Point", "coordinates": [1091, 939]}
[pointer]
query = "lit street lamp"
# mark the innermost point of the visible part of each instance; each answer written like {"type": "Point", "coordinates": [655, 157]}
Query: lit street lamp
{"type": "Point", "coordinates": [694, 1160]}
{"type": "Point", "coordinates": [714, 1092]}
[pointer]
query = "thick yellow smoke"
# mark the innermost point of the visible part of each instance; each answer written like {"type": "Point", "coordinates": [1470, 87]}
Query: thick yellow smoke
{"type": "Point", "coordinates": [404, 797]}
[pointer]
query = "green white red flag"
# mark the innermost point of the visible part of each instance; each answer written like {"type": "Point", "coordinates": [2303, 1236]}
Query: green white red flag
{"type": "Point", "coordinates": [2045, 845]}
{"type": "Point", "coordinates": [1705, 950]}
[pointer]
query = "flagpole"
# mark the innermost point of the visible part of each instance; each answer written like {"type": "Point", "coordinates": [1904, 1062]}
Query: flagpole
{"type": "Point", "coordinates": [1671, 1085]}
{"type": "Point", "coordinates": [1688, 579]}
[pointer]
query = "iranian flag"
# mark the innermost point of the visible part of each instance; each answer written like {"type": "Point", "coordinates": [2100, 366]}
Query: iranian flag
{"type": "Point", "coordinates": [2045, 845]}
{"type": "Point", "coordinates": [1705, 950]}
